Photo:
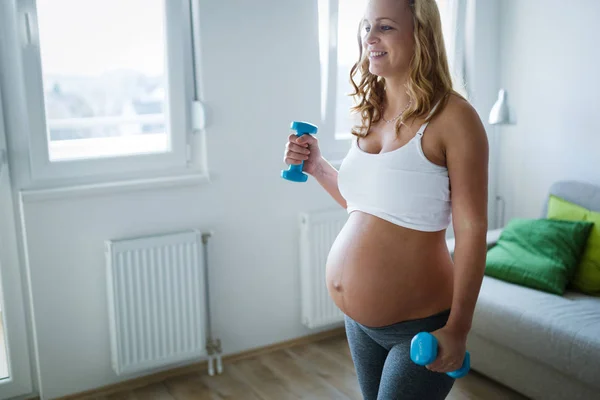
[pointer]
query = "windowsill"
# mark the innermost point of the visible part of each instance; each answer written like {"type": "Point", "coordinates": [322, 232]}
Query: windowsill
{"type": "Point", "coordinates": [72, 191]}
{"type": "Point", "coordinates": [92, 148]}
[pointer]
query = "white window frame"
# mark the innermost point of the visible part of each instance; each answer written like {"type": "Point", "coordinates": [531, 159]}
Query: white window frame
{"type": "Point", "coordinates": [335, 144]}
{"type": "Point", "coordinates": [183, 114]}
{"type": "Point", "coordinates": [19, 381]}
{"type": "Point", "coordinates": [454, 25]}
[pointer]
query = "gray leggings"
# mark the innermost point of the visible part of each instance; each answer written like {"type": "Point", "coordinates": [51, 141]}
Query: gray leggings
{"type": "Point", "coordinates": [381, 357]}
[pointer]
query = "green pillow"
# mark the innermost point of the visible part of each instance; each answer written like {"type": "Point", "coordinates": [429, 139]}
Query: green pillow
{"type": "Point", "coordinates": [587, 273]}
{"type": "Point", "coordinates": [538, 253]}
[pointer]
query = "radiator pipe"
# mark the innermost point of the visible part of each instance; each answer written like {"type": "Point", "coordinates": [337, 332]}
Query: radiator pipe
{"type": "Point", "coordinates": [213, 346]}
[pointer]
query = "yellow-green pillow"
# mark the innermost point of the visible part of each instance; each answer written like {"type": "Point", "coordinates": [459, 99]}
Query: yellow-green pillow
{"type": "Point", "coordinates": [587, 274]}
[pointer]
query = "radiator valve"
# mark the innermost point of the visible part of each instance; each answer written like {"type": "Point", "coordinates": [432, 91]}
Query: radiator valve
{"type": "Point", "coordinates": [213, 348]}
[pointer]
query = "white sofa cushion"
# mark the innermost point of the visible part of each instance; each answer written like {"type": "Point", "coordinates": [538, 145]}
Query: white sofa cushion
{"type": "Point", "coordinates": [560, 331]}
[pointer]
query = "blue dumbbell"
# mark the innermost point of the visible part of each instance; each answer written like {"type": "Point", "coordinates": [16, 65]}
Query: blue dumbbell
{"type": "Point", "coordinates": [294, 172]}
{"type": "Point", "coordinates": [423, 351]}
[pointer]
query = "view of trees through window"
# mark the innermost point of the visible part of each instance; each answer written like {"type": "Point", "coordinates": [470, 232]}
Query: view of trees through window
{"type": "Point", "coordinates": [103, 75]}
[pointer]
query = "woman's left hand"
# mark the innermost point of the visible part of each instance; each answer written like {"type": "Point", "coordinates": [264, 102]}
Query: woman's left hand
{"type": "Point", "coordinates": [452, 346]}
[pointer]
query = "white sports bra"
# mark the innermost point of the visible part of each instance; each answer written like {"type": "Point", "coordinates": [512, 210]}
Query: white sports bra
{"type": "Point", "coordinates": [400, 186]}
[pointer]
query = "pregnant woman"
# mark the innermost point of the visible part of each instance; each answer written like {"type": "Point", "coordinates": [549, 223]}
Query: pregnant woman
{"type": "Point", "coordinates": [418, 160]}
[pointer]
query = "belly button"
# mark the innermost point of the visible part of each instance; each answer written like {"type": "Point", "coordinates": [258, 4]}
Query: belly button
{"type": "Point", "coordinates": [337, 286]}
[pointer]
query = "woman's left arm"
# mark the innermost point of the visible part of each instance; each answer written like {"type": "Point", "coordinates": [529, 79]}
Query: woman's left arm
{"type": "Point", "coordinates": [467, 154]}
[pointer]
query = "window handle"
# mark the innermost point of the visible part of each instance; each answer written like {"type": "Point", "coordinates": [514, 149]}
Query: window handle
{"type": "Point", "coordinates": [29, 28]}
{"type": "Point", "coordinates": [28, 34]}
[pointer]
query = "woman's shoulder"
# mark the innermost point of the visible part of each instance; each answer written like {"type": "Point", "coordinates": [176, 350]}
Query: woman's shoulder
{"type": "Point", "coordinates": [459, 117]}
{"type": "Point", "coordinates": [456, 106]}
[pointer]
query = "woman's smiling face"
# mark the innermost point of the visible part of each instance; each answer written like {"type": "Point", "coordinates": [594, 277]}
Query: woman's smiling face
{"type": "Point", "coordinates": [387, 37]}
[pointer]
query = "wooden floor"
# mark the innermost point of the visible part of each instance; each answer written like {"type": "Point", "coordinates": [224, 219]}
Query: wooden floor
{"type": "Point", "coordinates": [321, 370]}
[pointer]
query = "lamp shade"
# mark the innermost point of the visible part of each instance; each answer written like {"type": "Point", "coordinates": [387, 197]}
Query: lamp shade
{"type": "Point", "coordinates": [500, 113]}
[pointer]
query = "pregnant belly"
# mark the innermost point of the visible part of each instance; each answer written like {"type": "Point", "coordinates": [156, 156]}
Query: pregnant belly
{"type": "Point", "coordinates": [379, 273]}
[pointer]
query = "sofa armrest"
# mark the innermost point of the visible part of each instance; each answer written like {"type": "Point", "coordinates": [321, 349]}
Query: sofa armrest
{"type": "Point", "coordinates": [492, 237]}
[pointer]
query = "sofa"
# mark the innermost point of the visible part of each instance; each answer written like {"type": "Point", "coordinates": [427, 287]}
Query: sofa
{"type": "Point", "coordinates": [540, 344]}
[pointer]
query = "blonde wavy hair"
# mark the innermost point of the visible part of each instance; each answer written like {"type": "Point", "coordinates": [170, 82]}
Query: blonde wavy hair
{"type": "Point", "coordinates": [429, 79]}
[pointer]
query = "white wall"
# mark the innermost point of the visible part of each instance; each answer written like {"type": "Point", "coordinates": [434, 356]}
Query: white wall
{"type": "Point", "coordinates": [482, 78]}
{"type": "Point", "coordinates": [549, 59]}
{"type": "Point", "coordinates": [260, 64]}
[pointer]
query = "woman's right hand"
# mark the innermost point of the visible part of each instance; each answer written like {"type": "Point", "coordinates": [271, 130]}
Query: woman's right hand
{"type": "Point", "coordinates": [304, 148]}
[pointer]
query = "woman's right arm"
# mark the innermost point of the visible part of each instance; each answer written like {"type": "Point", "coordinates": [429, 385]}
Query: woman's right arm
{"type": "Point", "coordinates": [306, 149]}
{"type": "Point", "coordinates": [327, 176]}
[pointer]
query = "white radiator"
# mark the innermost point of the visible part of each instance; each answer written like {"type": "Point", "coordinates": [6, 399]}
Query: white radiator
{"type": "Point", "coordinates": [318, 231]}
{"type": "Point", "coordinates": [156, 300]}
